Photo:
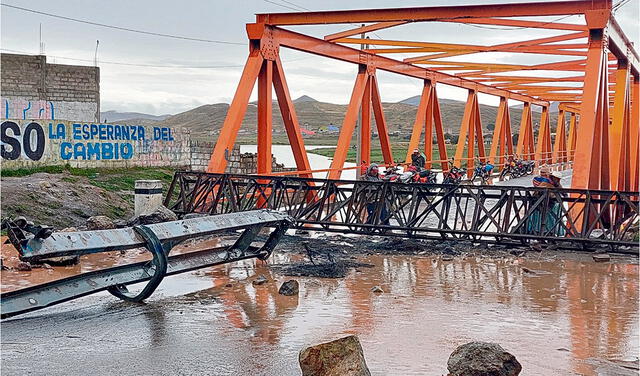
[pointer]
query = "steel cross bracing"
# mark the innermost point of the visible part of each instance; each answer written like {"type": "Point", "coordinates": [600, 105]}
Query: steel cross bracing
{"type": "Point", "coordinates": [478, 213]}
{"type": "Point", "coordinates": [159, 239]}
{"type": "Point", "coordinates": [589, 67]}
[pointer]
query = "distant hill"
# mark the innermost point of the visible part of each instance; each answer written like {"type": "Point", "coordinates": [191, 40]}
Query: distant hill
{"type": "Point", "coordinates": [204, 122]}
{"type": "Point", "coordinates": [552, 108]}
{"type": "Point", "coordinates": [114, 116]}
{"type": "Point", "coordinates": [304, 98]}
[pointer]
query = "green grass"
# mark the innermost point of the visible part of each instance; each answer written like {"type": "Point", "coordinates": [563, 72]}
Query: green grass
{"type": "Point", "coordinates": [111, 179]}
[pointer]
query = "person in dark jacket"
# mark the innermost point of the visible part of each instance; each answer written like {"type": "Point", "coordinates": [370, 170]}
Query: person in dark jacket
{"type": "Point", "coordinates": [417, 159]}
{"type": "Point", "coordinates": [371, 196]}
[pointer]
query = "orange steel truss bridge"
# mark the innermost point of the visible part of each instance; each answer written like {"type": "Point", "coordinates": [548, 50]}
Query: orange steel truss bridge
{"type": "Point", "coordinates": [592, 71]}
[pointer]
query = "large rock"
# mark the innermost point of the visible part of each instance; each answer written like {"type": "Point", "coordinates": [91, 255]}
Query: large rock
{"type": "Point", "coordinates": [100, 222]}
{"type": "Point", "coordinates": [342, 357]}
{"type": "Point", "coordinates": [482, 359]}
{"type": "Point", "coordinates": [289, 288]}
{"type": "Point", "coordinates": [161, 214]}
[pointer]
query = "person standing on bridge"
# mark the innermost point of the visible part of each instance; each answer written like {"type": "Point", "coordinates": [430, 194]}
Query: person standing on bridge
{"type": "Point", "coordinates": [417, 159]}
{"type": "Point", "coordinates": [553, 223]}
{"type": "Point", "coordinates": [371, 196]}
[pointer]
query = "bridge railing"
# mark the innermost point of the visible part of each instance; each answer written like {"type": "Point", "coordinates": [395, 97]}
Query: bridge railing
{"type": "Point", "coordinates": [570, 218]}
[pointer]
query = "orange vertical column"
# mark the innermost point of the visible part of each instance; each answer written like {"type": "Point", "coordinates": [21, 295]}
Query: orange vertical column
{"type": "Point", "coordinates": [560, 145]}
{"type": "Point", "coordinates": [634, 134]}
{"type": "Point", "coordinates": [265, 117]}
{"type": "Point", "coordinates": [544, 138]}
{"type": "Point", "coordinates": [571, 142]}
{"type": "Point", "coordinates": [364, 149]}
{"type": "Point", "coordinates": [591, 162]}
{"type": "Point", "coordinates": [428, 131]}
{"type": "Point", "coordinates": [619, 132]}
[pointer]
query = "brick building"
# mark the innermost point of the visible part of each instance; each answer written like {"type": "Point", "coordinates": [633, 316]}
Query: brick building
{"type": "Point", "coordinates": [31, 88]}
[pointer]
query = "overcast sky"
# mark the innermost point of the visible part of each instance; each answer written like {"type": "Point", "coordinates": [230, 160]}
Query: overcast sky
{"type": "Point", "coordinates": [178, 75]}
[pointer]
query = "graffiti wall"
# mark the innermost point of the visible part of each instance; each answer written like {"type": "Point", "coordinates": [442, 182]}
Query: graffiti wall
{"type": "Point", "coordinates": [37, 142]}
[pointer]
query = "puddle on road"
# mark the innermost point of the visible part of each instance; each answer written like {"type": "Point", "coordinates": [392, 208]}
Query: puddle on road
{"type": "Point", "coordinates": [560, 317]}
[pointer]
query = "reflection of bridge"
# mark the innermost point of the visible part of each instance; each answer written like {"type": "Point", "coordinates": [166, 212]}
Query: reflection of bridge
{"type": "Point", "coordinates": [571, 218]}
{"type": "Point", "coordinates": [602, 139]}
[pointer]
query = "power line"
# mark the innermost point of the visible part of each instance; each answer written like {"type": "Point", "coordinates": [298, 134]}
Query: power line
{"type": "Point", "coordinates": [148, 65]}
{"type": "Point", "coordinates": [122, 28]}
{"type": "Point", "coordinates": [134, 64]}
{"type": "Point", "coordinates": [281, 5]}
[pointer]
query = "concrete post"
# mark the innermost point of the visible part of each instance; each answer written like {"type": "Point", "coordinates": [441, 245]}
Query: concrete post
{"type": "Point", "coordinates": [148, 196]}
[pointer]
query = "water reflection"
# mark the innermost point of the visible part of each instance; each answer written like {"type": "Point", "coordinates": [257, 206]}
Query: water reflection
{"type": "Point", "coordinates": [590, 309]}
{"type": "Point", "coordinates": [554, 314]}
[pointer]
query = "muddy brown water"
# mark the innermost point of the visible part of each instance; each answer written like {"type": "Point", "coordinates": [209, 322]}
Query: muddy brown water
{"type": "Point", "coordinates": [558, 316]}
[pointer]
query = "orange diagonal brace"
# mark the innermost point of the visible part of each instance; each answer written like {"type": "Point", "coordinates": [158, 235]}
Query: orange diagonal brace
{"type": "Point", "coordinates": [421, 115]}
{"type": "Point", "coordinates": [348, 125]}
{"type": "Point", "coordinates": [290, 119]}
{"type": "Point", "coordinates": [363, 29]}
{"type": "Point", "coordinates": [525, 136]}
{"type": "Point", "coordinates": [437, 118]}
{"type": "Point", "coordinates": [381, 123]}
{"type": "Point", "coordinates": [235, 114]}
{"type": "Point", "coordinates": [498, 132]}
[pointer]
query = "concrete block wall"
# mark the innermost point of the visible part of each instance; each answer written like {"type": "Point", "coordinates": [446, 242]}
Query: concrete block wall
{"type": "Point", "coordinates": [238, 163]}
{"type": "Point", "coordinates": [33, 89]}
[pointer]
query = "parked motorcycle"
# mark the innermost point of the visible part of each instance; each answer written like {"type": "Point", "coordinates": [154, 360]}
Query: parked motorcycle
{"type": "Point", "coordinates": [483, 171]}
{"type": "Point", "coordinates": [454, 175]}
{"type": "Point", "coordinates": [412, 175]}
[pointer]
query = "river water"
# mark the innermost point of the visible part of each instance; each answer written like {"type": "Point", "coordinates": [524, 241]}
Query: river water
{"type": "Point", "coordinates": [558, 315]}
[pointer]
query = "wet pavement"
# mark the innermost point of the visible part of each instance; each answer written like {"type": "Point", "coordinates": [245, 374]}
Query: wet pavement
{"type": "Point", "coordinates": [558, 315]}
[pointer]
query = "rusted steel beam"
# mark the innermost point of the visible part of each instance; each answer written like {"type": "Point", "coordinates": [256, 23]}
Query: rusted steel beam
{"type": "Point", "coordinates": [433, 13]}
{"type": "Point", "coordinates": [320, 47]}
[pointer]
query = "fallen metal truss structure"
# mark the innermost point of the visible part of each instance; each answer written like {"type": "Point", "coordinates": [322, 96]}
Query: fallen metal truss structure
{"type": "Point", "coordinates": [576, 61]}
{"type": "Point", "coordinates": [501, 214]}
{"type": "Point", "coordinates": [158, 239]}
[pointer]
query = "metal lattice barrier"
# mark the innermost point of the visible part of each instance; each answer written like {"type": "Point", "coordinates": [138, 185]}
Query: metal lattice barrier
{"type": "Point", "coordinates": [569, 218]}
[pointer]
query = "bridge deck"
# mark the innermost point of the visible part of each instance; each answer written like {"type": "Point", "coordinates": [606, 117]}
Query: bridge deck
{"type": "Point", "coordinates": [569, 218]}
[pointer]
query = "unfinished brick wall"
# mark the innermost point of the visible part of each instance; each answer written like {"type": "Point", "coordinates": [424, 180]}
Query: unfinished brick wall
{"type": "Point", "coordinates": [33, 89]}
{"type": "Point", "coordinates": [238, 163]}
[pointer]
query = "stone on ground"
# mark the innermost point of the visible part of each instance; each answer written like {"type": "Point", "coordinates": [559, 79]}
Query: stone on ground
{"type": "Point", "coordinates": [161, 214]}
{"type": "Point", "coordinates": [482, 359]}
{"type": "Point", "coordinates": [100, 222]}
{"type": "Point", "coordinates": [377, 289]}
{"type": "Point", "coordinates": [342, 357]}
{"type": "Point", "coordinates": [261, 280]}
{"type": "Point", "coordinates": [601, 257]}
{"type": "Point", "coordinates": [289, 288]}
